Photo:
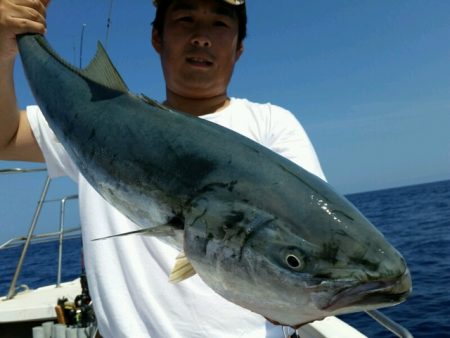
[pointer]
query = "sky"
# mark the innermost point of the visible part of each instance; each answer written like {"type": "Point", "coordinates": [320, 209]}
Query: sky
{"type": "Point", "coordinates": [368, 80]}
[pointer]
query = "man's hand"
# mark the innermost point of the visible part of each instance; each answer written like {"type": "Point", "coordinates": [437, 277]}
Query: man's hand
{"type": "Point", "coordinates": [19, 17]}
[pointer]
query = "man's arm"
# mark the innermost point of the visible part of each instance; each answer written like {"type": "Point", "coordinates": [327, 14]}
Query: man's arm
{"type": "Point", "coordinates": [16, 138]}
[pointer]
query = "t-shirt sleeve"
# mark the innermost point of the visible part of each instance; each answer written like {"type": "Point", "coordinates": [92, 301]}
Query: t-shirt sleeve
{"type": "Point", "coordinates": [57, 159]}
{"type": "Point", "coordinates": [288, 138]}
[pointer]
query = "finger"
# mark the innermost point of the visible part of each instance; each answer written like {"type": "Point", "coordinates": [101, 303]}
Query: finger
{"type": "Point", "coordinates": [22, 25]}
{"type": "Point", "coordinates": [36, 4]}
{"type": "Point", "coordinates": [39, 6]}
{"type": "Point", "coordinates": [28, 13]}
{"type": "Point", "coordinates": [45, 3]}
{"type": "Point", "coordinates": [35, 20]}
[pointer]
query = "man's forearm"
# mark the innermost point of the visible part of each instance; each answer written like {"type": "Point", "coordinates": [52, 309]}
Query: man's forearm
{"type": "Point", "coordinates": [9, 112]}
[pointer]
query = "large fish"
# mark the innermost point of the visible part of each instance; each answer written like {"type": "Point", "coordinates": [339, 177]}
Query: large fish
{"type": "Point", "coordinates": [258, 229]}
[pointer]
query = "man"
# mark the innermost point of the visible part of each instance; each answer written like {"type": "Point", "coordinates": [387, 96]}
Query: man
{"type": "Point", "coordinates": [199, 42]}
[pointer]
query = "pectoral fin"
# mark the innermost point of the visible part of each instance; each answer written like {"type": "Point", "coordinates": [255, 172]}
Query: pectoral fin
{"type": "Point", "coordinates": [162, 230]}
{"type": "Point", "coordinates": [182, 269]}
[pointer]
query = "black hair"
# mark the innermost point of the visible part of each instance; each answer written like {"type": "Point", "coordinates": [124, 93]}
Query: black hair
{"type": "Point", "coordinates": [240, 12]}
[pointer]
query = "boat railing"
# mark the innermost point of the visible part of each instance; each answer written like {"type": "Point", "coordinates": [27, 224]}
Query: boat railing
{"type": "Point", "coordinates": [389, 324]}
{"type": "Point", "coordinates": [37, 238]}
{"type": "Point", "coordinates": [31, 237]}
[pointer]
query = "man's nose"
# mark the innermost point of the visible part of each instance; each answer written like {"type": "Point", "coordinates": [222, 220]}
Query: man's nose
{"type": "Point", "coordinates": [201, 40]}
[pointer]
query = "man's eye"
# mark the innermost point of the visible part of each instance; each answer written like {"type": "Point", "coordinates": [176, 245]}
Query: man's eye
{"type": "Point", "coordinates": [220, 24]}
{"type": "Point", "coordinates": [185, 19]}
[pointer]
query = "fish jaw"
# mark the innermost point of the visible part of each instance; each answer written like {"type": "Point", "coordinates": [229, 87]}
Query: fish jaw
{"type": "Point", "coordinates": [362, 297]}
{"type": "Point", "coordinates": [373, 295]}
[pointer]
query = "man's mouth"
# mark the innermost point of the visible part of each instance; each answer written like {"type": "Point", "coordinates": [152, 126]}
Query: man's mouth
{"type": "Point", "coordinates": [199, 61]}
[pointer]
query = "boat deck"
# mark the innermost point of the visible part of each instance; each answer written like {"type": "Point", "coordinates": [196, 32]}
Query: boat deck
{"type": "Point", "coordinates": [32, 307]}
{"type": "Point", "coordinates": [38, 304]}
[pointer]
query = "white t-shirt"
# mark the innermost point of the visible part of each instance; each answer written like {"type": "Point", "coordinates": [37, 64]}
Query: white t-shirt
{"type": "Point", "coordinates": [128, 276]}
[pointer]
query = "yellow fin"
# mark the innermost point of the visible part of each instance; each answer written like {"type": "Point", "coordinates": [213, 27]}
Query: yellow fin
{"type": "Point", "coordinates": [182, 269]}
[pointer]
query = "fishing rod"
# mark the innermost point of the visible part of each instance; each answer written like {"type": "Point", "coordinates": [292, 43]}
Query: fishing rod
{"type": "Point", "coordinates": [108, 23]}
{"type": "Point", "coordinates": [108, 26]}
{"type": "Point", "coordinates": [81, 44]}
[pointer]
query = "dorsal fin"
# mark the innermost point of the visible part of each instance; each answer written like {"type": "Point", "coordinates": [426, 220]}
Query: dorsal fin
{"type": "Point", "coordinates": [182, 269]}
{"type": "Point", "coordinates": [102, 70]}
{"type": "Point", "coordinates": [152, 102]}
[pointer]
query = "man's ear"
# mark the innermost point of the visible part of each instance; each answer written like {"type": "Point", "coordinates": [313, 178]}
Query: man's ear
{"type": "Point", "coordinates": [239, 50]}
{"type": "Point", "coordinates": [156, 41]}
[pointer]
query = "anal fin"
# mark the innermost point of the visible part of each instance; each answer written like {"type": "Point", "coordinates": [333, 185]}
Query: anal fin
{"type": "Point", "coordinates": [182, 269]}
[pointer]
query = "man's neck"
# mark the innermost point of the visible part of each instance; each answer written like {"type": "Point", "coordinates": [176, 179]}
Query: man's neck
{"type": "Point", "coordinates": [197, 107]}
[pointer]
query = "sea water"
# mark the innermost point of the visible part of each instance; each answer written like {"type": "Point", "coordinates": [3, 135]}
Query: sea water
{"type": "Point", "coordinates": [416, 220]}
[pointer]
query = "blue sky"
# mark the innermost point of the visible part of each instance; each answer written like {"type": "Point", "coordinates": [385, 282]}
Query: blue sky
{"type": "Point", "coordinates": [369, 80]}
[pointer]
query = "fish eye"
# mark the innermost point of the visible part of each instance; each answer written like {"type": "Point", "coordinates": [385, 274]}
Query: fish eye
{"type": "Point", "coordinates": [294, 262]}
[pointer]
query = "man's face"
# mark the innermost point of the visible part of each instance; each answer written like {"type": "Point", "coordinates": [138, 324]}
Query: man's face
{"type": "Point", "coordinates": [198, 48]}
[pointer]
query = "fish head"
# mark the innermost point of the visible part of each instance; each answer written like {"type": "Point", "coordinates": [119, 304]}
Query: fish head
{"type": "Point", "coordinates": [295, 270]}
{"type": "Point", "coordinates": [304, 280]}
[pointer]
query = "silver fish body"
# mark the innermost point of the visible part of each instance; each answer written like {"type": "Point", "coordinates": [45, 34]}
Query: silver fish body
{"type": "Point", "coordinates": [258, 229]}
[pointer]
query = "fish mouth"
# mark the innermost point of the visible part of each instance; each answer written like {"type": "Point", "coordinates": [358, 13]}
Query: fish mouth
{"type": "Point", "coordinates": [376, 293]}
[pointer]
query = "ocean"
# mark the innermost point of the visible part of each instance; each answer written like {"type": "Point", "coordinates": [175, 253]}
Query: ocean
{"type": "Point", "coordinates": [415, 219]}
